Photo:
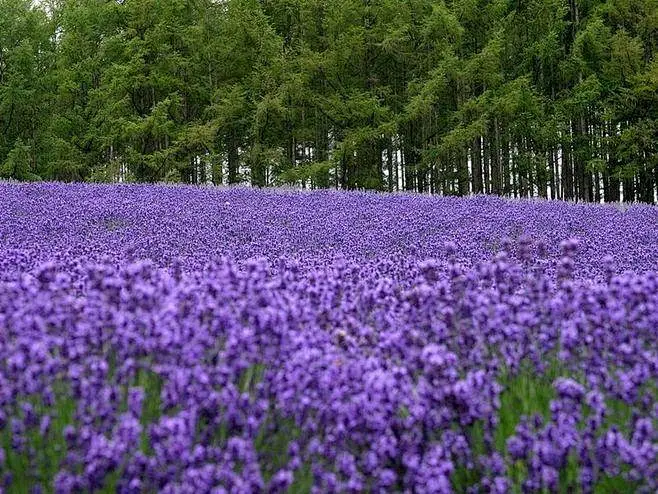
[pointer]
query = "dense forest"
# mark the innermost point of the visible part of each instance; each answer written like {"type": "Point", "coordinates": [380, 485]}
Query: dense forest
{"type": "Point", "coordinates": [549, 98]}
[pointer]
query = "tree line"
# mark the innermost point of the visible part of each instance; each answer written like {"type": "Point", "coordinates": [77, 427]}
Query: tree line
{"type": "Point", "coordinates": [548, 98]}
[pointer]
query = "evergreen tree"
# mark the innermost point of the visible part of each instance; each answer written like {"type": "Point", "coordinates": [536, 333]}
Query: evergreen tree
{"type": "Point", "coordinates": [549, 98]}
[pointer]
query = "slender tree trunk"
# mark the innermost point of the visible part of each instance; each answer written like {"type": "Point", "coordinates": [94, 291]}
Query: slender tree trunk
{"type": "Point", "coordinates": [655, 183]}
{"type": "Point", "coordinates": [410, 158]}
{"type": "Point", "coordinates": [645, 182]}
{"type": "Point", "coordinates": [389, 164]}
{"type": "Point", "coordinates": [567, 168]}
{"type": "Point", "coordinates": [611, 184]}
{"type": "Point", "coordinates": [462, 172]}
{"type": "Point", "coordinates": [582, 153]}
{"type": "Point", "coordinates": [233, 158]}
{"type": "Point", "coordinates": [629, 189]}
{"type": "Point", "coordinates": [515, 180]}
{"type": "Point", "coordinates": [193, 170]}
{"type": "Point", "coordinates": [476, 164]}
{"type": "Point", "coordinates": [403, 170]}
{"type": "Point", "coordinates": [396, 164]}
{"type": "Point", "coordinates": [322, 147]}
{"type": "Point", "coordinates": [506, 165]}
{"type": "Point", "coordinates": [486, 165]}
{"type": "Point", "coordinates": [552, 173]}
{"type": "Point", "coordinates": [203, 176]}
{"type": "Point", "coordinates": [495, 161]}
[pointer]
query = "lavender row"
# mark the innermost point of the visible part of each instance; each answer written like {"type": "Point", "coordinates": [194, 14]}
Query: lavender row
{"type": "Point", "coordinates": [361, 368]}
{"type": "Point", "coordinates": [42, 222]}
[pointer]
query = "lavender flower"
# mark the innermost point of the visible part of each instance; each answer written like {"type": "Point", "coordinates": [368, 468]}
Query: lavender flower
{"type": "Point", "coordinates": [310, 342]}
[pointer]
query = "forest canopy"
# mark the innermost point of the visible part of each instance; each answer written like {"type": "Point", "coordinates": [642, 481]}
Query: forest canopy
{"type": "Point", "coordinates": [548, 98]}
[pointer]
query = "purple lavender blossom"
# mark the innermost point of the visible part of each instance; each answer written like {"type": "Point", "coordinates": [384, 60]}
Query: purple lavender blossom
{"type": "Point", "coordinates": [311, 342]}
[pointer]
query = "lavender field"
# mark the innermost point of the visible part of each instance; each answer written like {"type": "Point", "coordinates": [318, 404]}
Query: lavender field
{"type": "Point", "coordinates": [203, 340]}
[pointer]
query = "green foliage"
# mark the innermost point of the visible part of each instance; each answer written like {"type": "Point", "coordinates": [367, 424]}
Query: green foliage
{"type": "Point", "coordinates": [313, 172]}
{"type": "Point", "coordinates": [548, 96]}
{"type": "Point", "coordinates": [18, 164]}
{"type": "Point", "coordinates": [527, 393]}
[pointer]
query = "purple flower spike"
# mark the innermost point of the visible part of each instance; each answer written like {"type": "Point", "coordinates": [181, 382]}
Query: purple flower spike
{"type": "Point", "coordinates": [159, 341]}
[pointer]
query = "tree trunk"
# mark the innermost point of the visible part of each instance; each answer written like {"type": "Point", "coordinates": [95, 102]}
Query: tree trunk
{"type": "Point", "coordinates": [486, 165]}
{"type": "Point", "coordinates": [233, 158]}
{"type": "Point", "coordinates": [476, 164]}
{"type": "Point", "coordinates": [389, 164]}
{"type": "Point", "coordinates": [410, 158]}
{"type": "Point", "coordinates": [203, 177]}
{"type": "Point", "coordinates": [462, 172]}
{"type": "Point", "coordinates": [629, 189]}
{"type": "Point", "coordinates": [495, 161]}
{"type": "Point", "coordinates": [506, 164]}
{"type": "Point", "coordinates": [567, 170]}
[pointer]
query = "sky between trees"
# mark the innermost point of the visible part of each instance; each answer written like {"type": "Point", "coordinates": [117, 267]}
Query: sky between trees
{"type": "Point", "coordinates": [545, 98]}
